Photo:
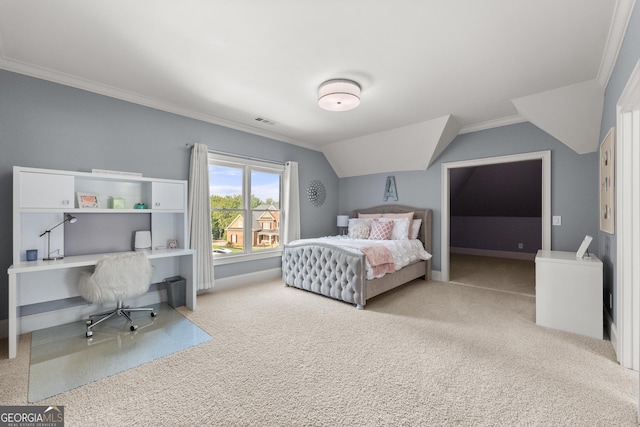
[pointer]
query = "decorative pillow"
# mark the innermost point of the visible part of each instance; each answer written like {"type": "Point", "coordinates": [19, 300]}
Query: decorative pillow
{"type": "Point", "coordinates": [359, 228]}
{"type": "Point", "coordinates": [415, 228]}
{"type": "Point", "coordinates": [398, 215]}
{"type": "Point", "coordinates": [400, 228]}
{"type": "Point", "coordinates": [408, 215]}
{"type": "Point", "coordinates": [369, 216]}
{"type": "Point", "coordinates": [381, 230]}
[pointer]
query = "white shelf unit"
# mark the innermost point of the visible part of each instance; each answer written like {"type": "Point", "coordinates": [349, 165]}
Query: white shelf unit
{"type": "Point", "coordinates": [569, 293]}
{"type": "Point", "coordinates": [41, 197]}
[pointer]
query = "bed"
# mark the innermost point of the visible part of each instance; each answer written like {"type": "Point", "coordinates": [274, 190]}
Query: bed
{"type": "Point", "coordinates": [339, 272]}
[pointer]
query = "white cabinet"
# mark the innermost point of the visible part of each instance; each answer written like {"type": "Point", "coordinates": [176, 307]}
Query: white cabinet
{"type": "Point", "coordinates": [167, 196]}
{"type": "Point", "coordinates": [569, 293]}
{"type": "Point", "coordinates": [46, 190]}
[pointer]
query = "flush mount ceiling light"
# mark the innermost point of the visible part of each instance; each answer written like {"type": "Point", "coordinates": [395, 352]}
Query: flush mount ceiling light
{"type": "Point", "coordinates": [339, 95]}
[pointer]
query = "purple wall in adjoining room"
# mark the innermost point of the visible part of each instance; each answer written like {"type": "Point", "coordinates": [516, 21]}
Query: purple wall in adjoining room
{"type": "Point", "coordinates": [495, 207]}
{"type": "Point", "coordinates": [496, 233]}
{"type": "Point", "coordinates": [505, 189]}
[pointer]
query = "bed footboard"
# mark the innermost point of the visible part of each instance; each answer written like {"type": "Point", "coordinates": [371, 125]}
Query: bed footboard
{"type": "Point", "coordinates": [326, 270]}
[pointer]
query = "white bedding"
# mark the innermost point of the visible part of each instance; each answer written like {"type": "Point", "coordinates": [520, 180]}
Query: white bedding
{"type": "Point", "coordinates": [404, 252]}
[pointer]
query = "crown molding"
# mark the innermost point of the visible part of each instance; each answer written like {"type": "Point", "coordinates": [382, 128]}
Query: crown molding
{"type": "Point", "coordinates": [490, 124]}
{"type": "Point", "coordinates": [619, 23]}
{"type": "Point", "coordinates": [123, 95]}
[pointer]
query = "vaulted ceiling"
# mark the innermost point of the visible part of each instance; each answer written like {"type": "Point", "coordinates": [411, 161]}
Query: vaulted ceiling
{"type": "Point", "coordinates": [428, 69]}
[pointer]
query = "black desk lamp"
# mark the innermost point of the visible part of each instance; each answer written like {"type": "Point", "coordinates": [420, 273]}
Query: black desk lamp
{"type": "Point", "coordinates": [71, 220]}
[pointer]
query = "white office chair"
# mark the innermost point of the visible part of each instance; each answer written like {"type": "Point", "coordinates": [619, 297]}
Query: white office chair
{"type": "Point", "coordinates": [115, 278]}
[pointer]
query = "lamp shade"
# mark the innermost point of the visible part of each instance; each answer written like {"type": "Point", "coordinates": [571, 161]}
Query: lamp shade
{"type": "Point", "coordinates": [343, 220]}
{"type": "Point", "coordinates": [339, 95]}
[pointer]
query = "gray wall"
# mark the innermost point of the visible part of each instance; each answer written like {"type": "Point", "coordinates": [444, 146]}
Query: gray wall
{"type": "Point", "coordinates": [574, 192]}
{"type": "Point", "coordinates": [47, 125]}
{"type": "Point", "coordinates": [627, 59]}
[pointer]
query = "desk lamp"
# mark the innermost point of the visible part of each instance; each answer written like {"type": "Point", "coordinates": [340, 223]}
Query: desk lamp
{"type": "Point", "coordinates": [71, 220]}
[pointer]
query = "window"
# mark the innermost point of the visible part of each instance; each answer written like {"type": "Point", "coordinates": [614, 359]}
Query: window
{"type": "Point", "coordinates": [245, 205]}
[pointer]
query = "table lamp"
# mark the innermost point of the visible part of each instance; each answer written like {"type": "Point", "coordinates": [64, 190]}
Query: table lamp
{"type": "Point", "coordinates": [343, 223]}
{"type": "Point", "coordinates": [71, 220]}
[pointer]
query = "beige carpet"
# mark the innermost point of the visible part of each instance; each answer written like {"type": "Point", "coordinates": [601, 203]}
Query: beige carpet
{"type": "Point", "coordinates": [427, 354]}
{"type": "Point", "coordinates": [502, 274]}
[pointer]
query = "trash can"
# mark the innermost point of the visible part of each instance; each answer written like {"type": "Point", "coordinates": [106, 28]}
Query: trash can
{"type": "Point", "coordinates": [176, 290]}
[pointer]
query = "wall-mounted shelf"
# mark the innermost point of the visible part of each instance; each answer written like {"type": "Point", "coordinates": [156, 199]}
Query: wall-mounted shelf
{"type": "Point", "coordinates": [43, 196]}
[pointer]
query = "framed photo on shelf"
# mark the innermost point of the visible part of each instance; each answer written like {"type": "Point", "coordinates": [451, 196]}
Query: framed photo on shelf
{"type": "Point", "coordinates": [607, 184]}
{"type": "Point", "coordinates": [88, 200]}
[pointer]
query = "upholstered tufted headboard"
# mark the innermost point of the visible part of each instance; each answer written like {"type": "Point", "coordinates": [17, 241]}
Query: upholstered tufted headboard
{"type": "Point", "coordinates": [418, 213]}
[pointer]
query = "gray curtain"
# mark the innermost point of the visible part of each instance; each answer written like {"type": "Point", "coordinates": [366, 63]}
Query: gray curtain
{"type": "Point", "coordinates": [291, 202]}
{"type": "Point", "coordinates": [200, 215]}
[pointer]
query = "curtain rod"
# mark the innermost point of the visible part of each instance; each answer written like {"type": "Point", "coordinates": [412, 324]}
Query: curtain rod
{"type": "Point", "coordinates": [223, 153]}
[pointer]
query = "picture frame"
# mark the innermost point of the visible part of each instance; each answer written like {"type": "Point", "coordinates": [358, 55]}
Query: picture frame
{"type": "Point", "coordinates": [584, 247]}
{"type": "Point", "coordinates": [88, 200]}
{"type": "Point", "coordinates": [607, 183]}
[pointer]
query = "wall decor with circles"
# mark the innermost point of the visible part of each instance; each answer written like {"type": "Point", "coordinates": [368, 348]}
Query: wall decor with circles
{"type": "Point", "coordinates": [316, 193]}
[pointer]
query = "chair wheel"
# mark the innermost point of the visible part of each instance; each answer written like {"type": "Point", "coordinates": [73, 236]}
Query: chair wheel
{"type": "Point", "coordinates": [153, 314]}
{"type": "Point", "coordinates": [89, 334]}
{"type": "Point", "coordinates": [133, 327]}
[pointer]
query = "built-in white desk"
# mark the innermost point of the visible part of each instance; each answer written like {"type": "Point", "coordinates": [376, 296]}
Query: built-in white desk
{"type": "Point", "coordinates": [40, 281]}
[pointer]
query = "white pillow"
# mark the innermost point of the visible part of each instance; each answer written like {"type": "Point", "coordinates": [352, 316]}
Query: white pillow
{"type": "Point", "coordinates": [400, 229]}
{"type": "Point", "coordinates": [415, 228]}
{"type": "Point", "coordinates": [359, 228]}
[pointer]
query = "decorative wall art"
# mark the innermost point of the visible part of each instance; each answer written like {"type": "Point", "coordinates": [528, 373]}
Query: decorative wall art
{"type": "Point", "coordinates": [316, 193]}
{"type": "Point", "coordinates": [390, 191]}
{"type": "Point", "coordinates": [607, 184]}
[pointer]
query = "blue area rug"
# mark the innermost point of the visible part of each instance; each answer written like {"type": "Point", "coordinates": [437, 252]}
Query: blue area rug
{"type": "Point", "coordinates": [62, 358]}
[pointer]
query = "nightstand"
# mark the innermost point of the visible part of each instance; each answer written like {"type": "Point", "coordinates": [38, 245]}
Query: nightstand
{"type": "Point", "coordinates": [569, 293]}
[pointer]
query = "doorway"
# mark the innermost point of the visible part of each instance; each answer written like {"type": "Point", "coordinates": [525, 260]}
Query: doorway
{"type": "Point", "coordinates": [544, 156]}
{"type": "Point", "coordinates": [626, 332]}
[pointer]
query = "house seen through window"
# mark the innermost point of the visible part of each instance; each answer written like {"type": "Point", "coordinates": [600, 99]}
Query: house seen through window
{"type": "Point", "coordinates": [245, 205]}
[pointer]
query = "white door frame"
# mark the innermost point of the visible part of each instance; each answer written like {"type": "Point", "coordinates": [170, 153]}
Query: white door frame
{"type": "Point", "coordinates": [545, 156]}
{"type": "Point", "coordinates": [627, 163]}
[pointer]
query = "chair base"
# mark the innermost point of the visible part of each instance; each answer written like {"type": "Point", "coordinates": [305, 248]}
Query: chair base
{"type": "Point", "coordinates": [120, 310]}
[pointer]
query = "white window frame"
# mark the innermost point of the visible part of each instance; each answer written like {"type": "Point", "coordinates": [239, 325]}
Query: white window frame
{"type": "Point", "coordinates": [247, 166]}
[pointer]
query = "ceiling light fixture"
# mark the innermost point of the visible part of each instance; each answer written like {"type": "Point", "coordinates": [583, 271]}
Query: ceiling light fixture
{"type": "Point", "coordinates": [339, 95]}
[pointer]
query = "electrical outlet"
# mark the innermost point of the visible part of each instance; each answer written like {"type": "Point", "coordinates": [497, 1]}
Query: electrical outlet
{"type": "Point", "coordinates": [520, 245]}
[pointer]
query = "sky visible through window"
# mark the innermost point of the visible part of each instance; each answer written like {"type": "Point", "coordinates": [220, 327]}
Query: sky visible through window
{"type": "Point", "coordinates": [227, 181]}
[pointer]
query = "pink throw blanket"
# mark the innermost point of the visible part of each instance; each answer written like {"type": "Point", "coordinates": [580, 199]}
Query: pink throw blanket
{"type": "Point", "coordinates": [380, 259]}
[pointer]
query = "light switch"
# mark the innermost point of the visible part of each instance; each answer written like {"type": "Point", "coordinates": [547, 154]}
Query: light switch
{"type": "Point", "coordinates": [557, 220]}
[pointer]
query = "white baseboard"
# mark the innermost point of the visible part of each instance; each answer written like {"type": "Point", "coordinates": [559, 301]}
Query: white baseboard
{"type": "Point", "coordinates": [496, 254]}
{"type": "Point", "coordinates": [245, 279]}
{"type": "Point", "coordinates": [274, 273]}
{"type": "Point", "coordinates": [613, 332]}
